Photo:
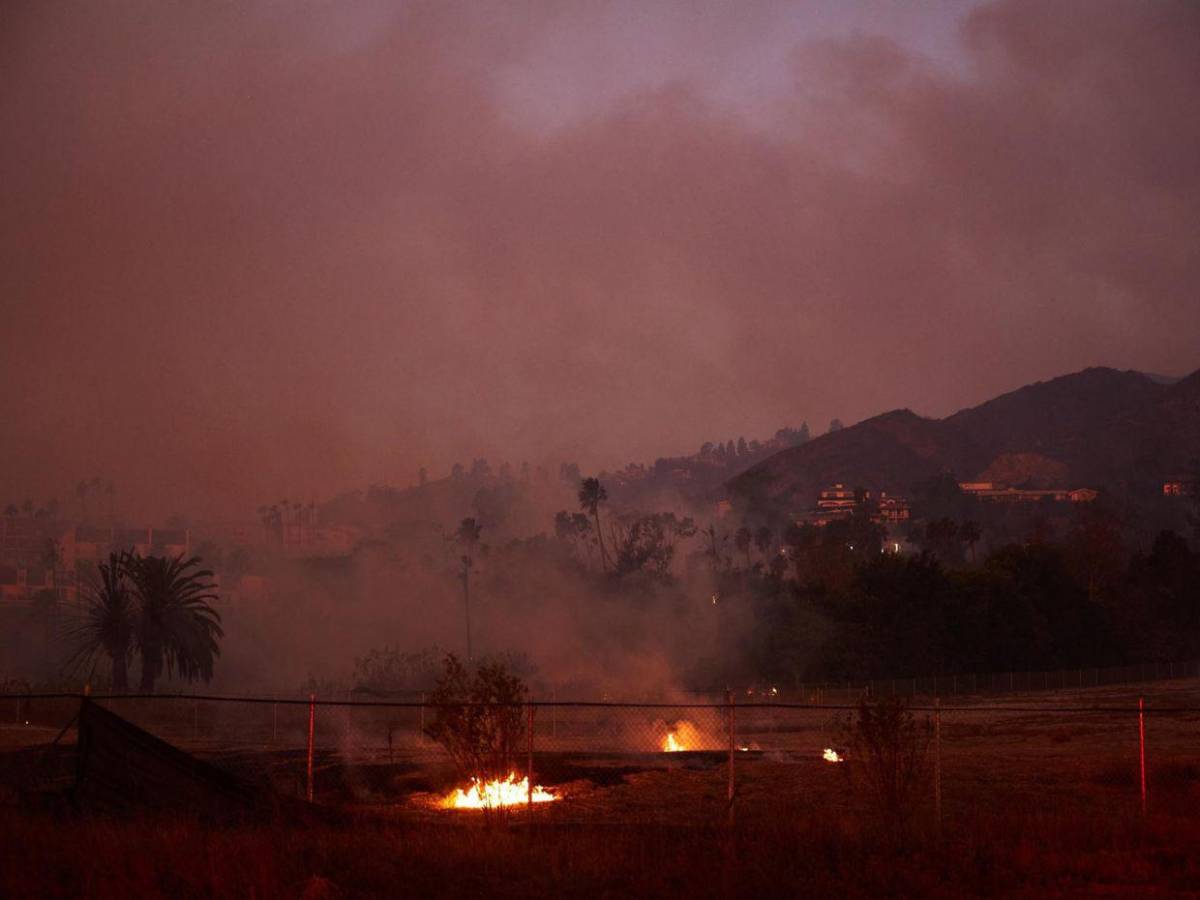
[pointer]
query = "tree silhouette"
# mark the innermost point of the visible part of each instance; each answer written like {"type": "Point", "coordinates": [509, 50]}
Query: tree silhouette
{"type": "Point", "coordinates": [176, 627]}
{"type": "Point", "coordinates": [109, 621]}
{"type": "Point", "coordinates": [715, 541]}
{"type": "Point", "coordinates": [467, 537]}
{"type": "Point", "coordinates": [742, 539]}
{"type": "Point", "coordinates": [591, 495]}
{"type": "Point", "coordinates": [763, 540]}
{"type": "Point", "coordinates": [969, 533]}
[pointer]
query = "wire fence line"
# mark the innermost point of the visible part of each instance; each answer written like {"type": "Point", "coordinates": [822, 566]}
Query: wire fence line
{"type": "Point", "coordinates": [378, 751]}
{"type": "Point", "coordinates": [760, 744]}
{"type": "Point", "coordinates": [314, 700]}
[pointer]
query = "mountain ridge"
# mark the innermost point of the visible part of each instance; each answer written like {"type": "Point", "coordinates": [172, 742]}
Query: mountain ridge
{"type": "Point", "coordinates": [1099, 427]}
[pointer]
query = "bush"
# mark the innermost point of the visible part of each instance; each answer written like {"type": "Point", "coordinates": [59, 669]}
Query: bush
{"type": "Point", "coordinates": [479, 717]}
{"type": "Point", "coordinates": [392, 670]}
{"type": "Point", "coordinates": [888, 760]}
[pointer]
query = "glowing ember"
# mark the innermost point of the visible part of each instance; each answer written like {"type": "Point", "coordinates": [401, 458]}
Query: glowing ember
{"type": "Point", "coordinates": [832, 756]}
{"type": "Point", "coordinates": [493, 794]}
{"type": "Point", "coordinates": [684, 736]}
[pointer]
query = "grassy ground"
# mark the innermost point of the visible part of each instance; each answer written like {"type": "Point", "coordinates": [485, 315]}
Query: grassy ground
{"type": "Point", "coordinates": [805, 854]}
{"type": "Point", "coordinates": [1036, 803]}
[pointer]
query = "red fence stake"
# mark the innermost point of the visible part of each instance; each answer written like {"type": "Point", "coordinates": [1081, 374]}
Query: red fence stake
{"type": "Point", "coordinates": [732, 751]}
{"type": "Point", "coordinates": [1142, 747]}
{"type": "Point", "coordinates": [312, 721]}
{"type": "Point", "coordinates": [937, 760]}
{"type": "Point", "coordinates": [529, 764]}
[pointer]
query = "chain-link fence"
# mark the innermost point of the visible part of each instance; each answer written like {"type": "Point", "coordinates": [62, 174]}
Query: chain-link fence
{"type": "Point", "coordinates": [694, 761]}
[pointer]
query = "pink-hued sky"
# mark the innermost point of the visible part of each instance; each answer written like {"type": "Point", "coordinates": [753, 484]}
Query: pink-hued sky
{"type": "Point", "coordinates": [276, 248]}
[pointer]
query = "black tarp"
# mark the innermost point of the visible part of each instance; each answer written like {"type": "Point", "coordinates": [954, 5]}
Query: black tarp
{"type": "Point", "coordinates": [123, 768]}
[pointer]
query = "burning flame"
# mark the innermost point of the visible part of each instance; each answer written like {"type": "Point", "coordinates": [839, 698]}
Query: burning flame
{"type": "Point", "coordinates": [496, 793]}
{"type": "Point", "coordinates": [831, 755]}
{"type": "Point", "coordinates": [684, 736]}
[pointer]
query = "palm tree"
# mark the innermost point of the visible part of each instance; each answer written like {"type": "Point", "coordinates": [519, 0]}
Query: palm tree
{"type": "Point", "coordinates": [110, 618]}
{"type": "Point", "coordinates": [176, 627]}
{"type": "Point", "coordinates": [714, 538]}
{"type": "Point", "coordinates": [743, 538]}
{"type": "Point", "coordinates": [763, 539]}
{"type": "Point", "coordinates": [969, 533]}
{"type": "Point", "coordinates": [468, 539]}
{"type": "Point", "coordinates": [591, 495]}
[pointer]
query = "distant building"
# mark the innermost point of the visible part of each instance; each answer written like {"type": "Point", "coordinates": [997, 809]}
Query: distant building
{"type": "Point", "coordinates": [19, 584]}
{"type": "Point", "coordinates": [1180, 486]}
{"type": "Point", "coordinates": [974, 487]}
{"type": "Point", "coordinates": [991, 492]}
{"type": "Point", "coordinates": [723, 508]}
{"type": "Point", "coordinates": [93, 544]}
{"type": "Point", "coordinates": [892, 509]}
{"type": "Point", "coordinates": [320, 541]}
{"type": "Point", "coordinates": [837, 497]}
{"type": "Point", "coordinates": [838, 502]}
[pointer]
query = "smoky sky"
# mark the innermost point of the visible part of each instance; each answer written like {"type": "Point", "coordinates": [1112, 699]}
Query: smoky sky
{"type": "Point", "coordinates": [272, 249]}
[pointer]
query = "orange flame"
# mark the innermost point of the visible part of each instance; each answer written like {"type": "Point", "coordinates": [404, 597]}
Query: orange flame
{"type": "Point", "coordinates": [684, 736]}
{"type": "Point", "coordinates": [831, 755]}
{"type": "Point", "coordinates": [496, 793]}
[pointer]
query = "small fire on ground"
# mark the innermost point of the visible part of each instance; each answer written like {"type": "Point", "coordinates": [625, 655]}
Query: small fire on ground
{"type": "Point", "coordinates": [683, 736]}
{"type": "Point", "coordinates": [832, 756]}
{"type": "Point", "coordinates": [496, 793]}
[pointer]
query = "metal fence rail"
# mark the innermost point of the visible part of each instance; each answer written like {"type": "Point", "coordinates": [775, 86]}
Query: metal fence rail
{"type": "Point", "coordinates": [727, 752]}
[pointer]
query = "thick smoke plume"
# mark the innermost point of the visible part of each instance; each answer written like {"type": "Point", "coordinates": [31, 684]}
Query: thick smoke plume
{"type": "Point", "coordinates": [254, 250]}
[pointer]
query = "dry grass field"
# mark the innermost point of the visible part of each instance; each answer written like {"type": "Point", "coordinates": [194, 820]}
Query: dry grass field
{"type": "Point", "coordinates": [1038, 802]}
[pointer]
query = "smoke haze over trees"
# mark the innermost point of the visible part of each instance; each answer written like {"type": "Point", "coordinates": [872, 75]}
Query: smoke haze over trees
{"type": "Point", "coordinates": [262, 250]}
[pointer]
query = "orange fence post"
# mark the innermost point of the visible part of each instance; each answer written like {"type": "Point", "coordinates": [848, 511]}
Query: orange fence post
{"type": "Point", "coordinates": [312, 721]}
{"type": "Point", "coordinates": [937, 760]}
{"type": "Point", "coordinates": [1142, 748]}
{"type": "Point", "coordinates": [732, 750]}
{"type": "Point", "coordinates": [529, 764]}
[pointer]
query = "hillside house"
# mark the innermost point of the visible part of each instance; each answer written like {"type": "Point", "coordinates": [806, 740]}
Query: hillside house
{"type": "Point", "coordinates": [1180, 486]}
{"type": "Point", "coordinates": [837, 497]}
{"type": "Point", "coordinates": [990, 492]}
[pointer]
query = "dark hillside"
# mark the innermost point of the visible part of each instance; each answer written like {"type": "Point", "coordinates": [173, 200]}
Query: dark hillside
{"type": "Point", "coordinates": [1116, 431]}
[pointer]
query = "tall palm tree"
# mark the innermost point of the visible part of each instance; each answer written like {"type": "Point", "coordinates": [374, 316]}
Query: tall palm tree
{"type": "Point", "coordinates": [468, 539]}
{"type": "Point", "coordinates": [970, 533]}
{"type": "Point", "coordinates": [591, 495]}
{"type": "Point", "coordinates": [743, 539]}
{"type": "Point", "coordinates": [763, 539]}
{"type": "Point", "coordinates": [109, 621]}
{"type": "Point", "coordinates": [176, 627]}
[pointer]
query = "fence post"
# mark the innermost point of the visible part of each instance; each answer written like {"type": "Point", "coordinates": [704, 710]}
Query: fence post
{"type": "Point", "coordinates": [1142, 748]}
{"type": "Point", "coordinates": [422, 712]}
{"type": "Point", "coordinates": [732, 751]}
{"type": "Point", "coordinates": [529, 764]}
{"type": "Point", "coordinates": [312, 721]}
{"type": "Point", "coordinates": [274, 723]}
{"type": "Point", "coordinates": [937, 761]}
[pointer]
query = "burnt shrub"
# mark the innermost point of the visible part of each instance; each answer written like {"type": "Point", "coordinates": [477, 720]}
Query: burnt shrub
{"type": "Point", "coordinates": [888, 763]}
{"type": "Point", "coordinates": [478, 716]}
